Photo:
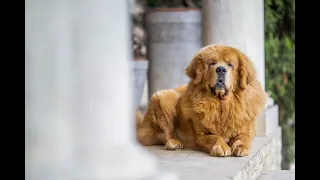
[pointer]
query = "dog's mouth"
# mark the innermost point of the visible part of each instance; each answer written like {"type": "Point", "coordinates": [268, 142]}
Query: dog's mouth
{"type": "Point", "coordinates": [219, 90]}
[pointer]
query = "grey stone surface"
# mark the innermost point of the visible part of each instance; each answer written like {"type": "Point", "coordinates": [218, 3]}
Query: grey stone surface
{"type": "Point", "coordinates": [188, 16]}
{"type": "Point", "coordinates": [272, 118]}
{"type": "Point", "coordinates": [277, 175]}
{"type": "Point", "coordinates": [173, 39]}
{"type": "Point", "coordinates": [268, 157]}
{"type": "Point", "coordinates": [268, 120]}
{"type": "Point", "coordinates": [140, 69]}
{"type": "Point", "coordinates": [171, 32]}
{"type": "Point", "coordinates": [189, 165]}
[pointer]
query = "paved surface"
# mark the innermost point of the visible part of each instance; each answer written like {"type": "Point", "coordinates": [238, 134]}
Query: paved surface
{"type": "Point", "coordinates": [277, 175]}
{"type": "Point", "coordinates": [190, 165]}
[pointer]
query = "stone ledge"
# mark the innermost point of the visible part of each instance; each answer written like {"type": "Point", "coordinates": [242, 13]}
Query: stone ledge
{"type": "Point", "coordinates": [189, 165]}
{"type": "Point", "coordinates": [277, 175]}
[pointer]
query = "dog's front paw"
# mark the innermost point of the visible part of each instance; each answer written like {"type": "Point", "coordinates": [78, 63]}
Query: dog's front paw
{"type": "Point", "coordinates": [220, 150]}
{"type": "Point", "coordinates": [239, 149]}
{"type": "Point", "coordinates": [173, 144]}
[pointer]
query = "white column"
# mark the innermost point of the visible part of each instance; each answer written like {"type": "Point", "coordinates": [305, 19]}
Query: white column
{"type": "Point", "coordinates": [48, 86]}
{"type": "Point", "coordinates": [239, 24]}
{"type": "Point", "coordinates": [79, 105]}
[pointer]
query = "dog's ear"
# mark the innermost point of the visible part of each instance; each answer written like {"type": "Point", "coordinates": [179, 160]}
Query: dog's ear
{"type": "Point", "coordinates": [246, 70]}
{"type": "Point", "coordinates": [195, 70]}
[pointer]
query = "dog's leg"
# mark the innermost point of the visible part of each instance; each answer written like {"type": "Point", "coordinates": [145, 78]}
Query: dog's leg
{"type": "Point", "coordinates": [157, 127]}
{"type": "Point", "coordinates": [148, 136]}
{"type": "Point", "coordinates": [171, 141]}
{"type": "Point", "coordinates": [163, 103]}
{"type": "Point", "coordinates": [210, 143]}
{"type": "Point", "coordinates": [240, 145]}
{"type": "Point", "coordinates": [214, 145]}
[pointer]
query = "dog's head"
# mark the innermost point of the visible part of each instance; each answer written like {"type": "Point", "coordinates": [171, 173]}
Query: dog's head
{"type": "Point", "coordinates": [221, 70]}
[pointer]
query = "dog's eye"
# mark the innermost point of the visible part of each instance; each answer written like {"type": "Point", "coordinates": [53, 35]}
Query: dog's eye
{"type": "Point", "coordinates": [213, 63]}
{"type": "Point", "coordinates": [229, 64]}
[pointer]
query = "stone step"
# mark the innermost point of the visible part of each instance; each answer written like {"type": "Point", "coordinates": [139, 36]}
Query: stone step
{"type": "Point", "coordinates": [277, 175]}
{"type": "Point", "coordinates": [193, 165]}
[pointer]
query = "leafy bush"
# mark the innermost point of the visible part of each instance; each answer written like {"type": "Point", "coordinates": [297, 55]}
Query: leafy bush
{"type": "Point", "coordinates": [280, 68]}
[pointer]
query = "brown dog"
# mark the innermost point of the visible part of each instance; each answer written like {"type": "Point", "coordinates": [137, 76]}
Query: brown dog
{"type": "Point", "coordinates": [216, 112]}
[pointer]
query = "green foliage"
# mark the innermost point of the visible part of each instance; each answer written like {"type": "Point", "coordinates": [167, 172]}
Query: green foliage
{"type": "Point", "coordinates": [280, 67]}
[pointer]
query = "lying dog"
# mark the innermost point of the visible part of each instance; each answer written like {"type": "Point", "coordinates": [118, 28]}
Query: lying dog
{"type": "Point", "coordinates": [215, 113]}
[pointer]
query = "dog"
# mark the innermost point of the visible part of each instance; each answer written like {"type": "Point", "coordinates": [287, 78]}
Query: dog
{"type": "Point", "coordinates": [215, 112]}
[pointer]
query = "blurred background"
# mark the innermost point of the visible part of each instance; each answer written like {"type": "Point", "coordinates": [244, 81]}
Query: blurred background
{"type": "Point", "coordinates": [149, 29]}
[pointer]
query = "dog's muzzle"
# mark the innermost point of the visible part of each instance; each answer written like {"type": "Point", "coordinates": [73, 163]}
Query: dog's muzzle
{"type": "Point", "coordinates": [217, 86]}
{"type": "Point", "coordinates": [220, 85]}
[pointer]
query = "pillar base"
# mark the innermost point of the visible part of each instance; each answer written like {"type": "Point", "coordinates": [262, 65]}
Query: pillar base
{"type": "Point", "coordinates": [268, 121]}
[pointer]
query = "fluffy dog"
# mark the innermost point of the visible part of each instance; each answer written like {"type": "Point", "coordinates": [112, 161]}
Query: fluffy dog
{"type": "Point", "coordinates": [215, 113]}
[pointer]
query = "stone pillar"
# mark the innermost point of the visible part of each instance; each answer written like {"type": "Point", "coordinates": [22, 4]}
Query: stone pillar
{"type": "Point", "coordinates": [79, 104]}
{"type": "Point", "coordinates": [241, 24]}
{"type": "Point", "coordinates": [174, 36]}
{"type": "Point", "coordinates": [48, 90]}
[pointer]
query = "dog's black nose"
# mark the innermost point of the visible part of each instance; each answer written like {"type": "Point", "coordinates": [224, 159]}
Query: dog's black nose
{"type": "Point", "coordinates": [221, 70]}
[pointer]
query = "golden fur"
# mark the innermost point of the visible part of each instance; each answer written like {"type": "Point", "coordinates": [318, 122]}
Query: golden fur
{"type": "Point", "coordinates": [219, 121]}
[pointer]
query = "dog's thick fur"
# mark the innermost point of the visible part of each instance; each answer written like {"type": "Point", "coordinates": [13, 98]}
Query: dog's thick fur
{"type": "Point", "coordinates": [219, 121]}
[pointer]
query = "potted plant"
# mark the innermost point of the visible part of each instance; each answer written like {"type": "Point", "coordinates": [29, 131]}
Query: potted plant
{"type": "Point", "coordinates": [173, 37]}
